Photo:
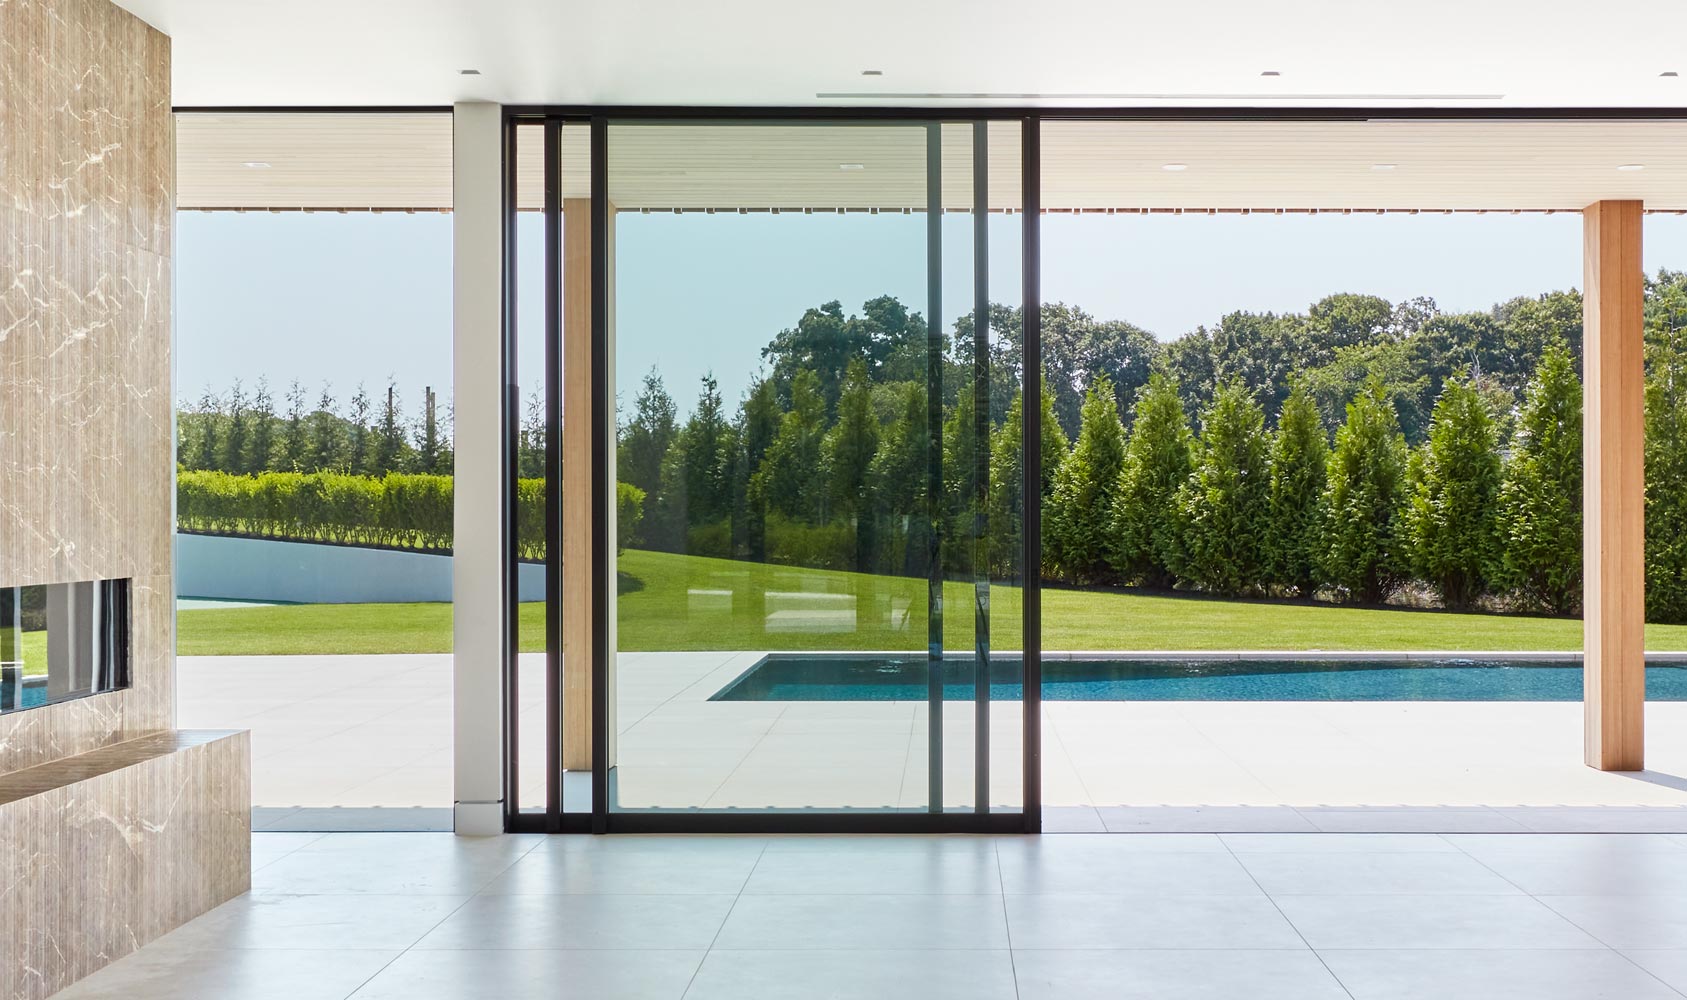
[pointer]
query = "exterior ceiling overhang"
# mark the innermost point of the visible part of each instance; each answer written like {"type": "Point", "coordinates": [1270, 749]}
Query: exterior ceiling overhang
{"type": "Point", "coordinates": [402, 162]}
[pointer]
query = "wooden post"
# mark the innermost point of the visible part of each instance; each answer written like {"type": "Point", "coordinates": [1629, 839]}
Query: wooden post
{"type": "Point", "coordinates": [1613, 488]}
{"type": "Point", "coordinates": [576, 484]}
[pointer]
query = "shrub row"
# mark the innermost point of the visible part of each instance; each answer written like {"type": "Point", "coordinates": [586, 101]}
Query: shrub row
{"type": "Point", "coordinates": [401, 510]}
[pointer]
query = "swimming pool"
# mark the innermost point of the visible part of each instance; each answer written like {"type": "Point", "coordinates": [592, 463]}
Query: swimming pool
{"type": "Point", "coordinates": [799, 677]}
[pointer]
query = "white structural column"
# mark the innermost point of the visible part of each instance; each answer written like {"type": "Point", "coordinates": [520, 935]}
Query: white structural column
{"type": "Point", "coordinates": [1613, 488]}
{"type": "Point", "coordinates": [478, 564]}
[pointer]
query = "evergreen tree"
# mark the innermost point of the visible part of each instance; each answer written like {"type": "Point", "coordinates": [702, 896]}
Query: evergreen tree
{"type": "Point", "coordinates": [758, 423]}
{"type": "Point", "coordinates": [295, 448]}
{"type": "Point", "coordinates": [429, 445]}
{"type": "Point", "coordinates": [789, 478]}
{"type": "Point", "coordinates": [1300, 454]}
{"type": "Point", "coordinates": [1076, 532]}
{"type": "Point", "coordinates": [209, 452]}
{"type": "Point", "coordinates": [1007, 473]}
{"type": "Point", "coordinates": [899, 475]}
{"type": "Point", "coordinates": [850, 448]}
{"type": "Point", "coordinates": [1666, 451]}
{"type": "Point", "coordinates": [234, 441]}
{"type": "Point", "coordinates": [260, 453]}
{"type": "Point", "coordinates": [1541, 496]}
{"type": "Point", "coordinates": [530, 439]}
{"type": "Point", "coordinates": [1367, 483]}
{"type": "Point", "coordinates": [1223, 508]}
{"type": "Point", "coordinates": [390, 447]}
{"type": "Point", "coordinates": [359, 435]}
{"type": "Point", "coordinates": [1157, 462]}
{"type": "Point", "coordinates": [1451, 531]}
{"type": "Point", "coordinates": [327, 444]}
{"type": "Point", "coordinates": [708, 440]}
{"type": "Point", "coordinates": [648, 436]}
{"type": "Point", "coordinates": [960, 456]}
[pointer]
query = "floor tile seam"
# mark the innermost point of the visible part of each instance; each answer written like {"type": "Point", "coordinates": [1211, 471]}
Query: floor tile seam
{"type": "Point", "coordinates": [689, 983]}
{"type": "Point", "coordinates": [1607, 945]}
{"type": "Point", "coordinates": [1285, 918]}
{"type": "Point", "coordinates": [1538, 898]}
{"type": "Point", "coordinates": [1077, 774]}
{"type": "Point", "coordinates": [1007, 925]}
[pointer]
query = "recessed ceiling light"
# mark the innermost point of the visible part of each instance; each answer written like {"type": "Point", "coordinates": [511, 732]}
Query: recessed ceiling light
{"type": "Point", "coordinates": [1270, 72]}
{"type": "Point", "coordinates": [1382, 166]}
{"type": "Point", "coordinates": [255, 165]}
{"type": "Point", "coordinates": [1631, 167]}
{"type": "Point", "coordinates": [1174, 167]}
{"type": "Point", "coordinates": [1669, 72]}
{"type": "Point", "coordinates": [852, 166]}
{"type": "Point", "coordinates": [872, 72]}
{"type": "Point", "coordinates": [469, 72]}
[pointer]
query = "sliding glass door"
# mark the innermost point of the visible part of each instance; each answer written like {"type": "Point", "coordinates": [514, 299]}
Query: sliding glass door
{"type": "Point", "coordinates": [810, 344]}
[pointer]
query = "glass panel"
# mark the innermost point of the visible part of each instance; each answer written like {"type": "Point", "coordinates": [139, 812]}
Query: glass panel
{"type": "Point", "coordinates": [62, 641]}
{"type": "Point", "coordinates": [315, 454]}
{"type": "Point", "coordinates": [798, 466]}
{"type": "Point", "coordinates": [532, 488]}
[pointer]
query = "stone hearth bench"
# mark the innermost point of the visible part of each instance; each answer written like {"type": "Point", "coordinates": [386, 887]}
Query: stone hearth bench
{"type": "Point", "coordinates": [102, 852]}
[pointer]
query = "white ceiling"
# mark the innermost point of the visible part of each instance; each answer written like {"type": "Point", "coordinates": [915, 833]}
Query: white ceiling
{"type": "Point", "coordinates": [1463, 53]}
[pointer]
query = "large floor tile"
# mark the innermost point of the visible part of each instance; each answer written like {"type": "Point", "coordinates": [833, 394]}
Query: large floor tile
{"type": "Point", "coordinates": [1173, 975]}
{"type": "Point", "coordinates": [937, 870]}
{"type": "Point", "coordinates": [501, 975]}
{"type": "Point", "coordinates": [600, 865]}
{"type": "Point", "coordinates": [1627, 921]}
{"type": "Point", "coordinates": [1208, 819]}
{"type": "Point", "coordinates": [333, 921]}
{"type": "Point", "coordinates": [393, 864]}
{"type": "Point", "coordinates": [1595, 872]}
{"type": "Point", "coordinates": [1395, 921]}
{"type": "Point", "coordinates": [1336, 843]}
{"type": "Point", "coordinates": [161, 972]}
{"type": "Point", "coordinates": [1053, 869]}
{"type": "Point", "coordinates": [1149, 921]}
{"type": "Point", "coordinates": [1371, 874]}
{"type": "Point", "coordinates": [1494, 975]}
{"type": "Point", "coordinates": [617, 920]}
{"type": "Point", "coordinates": [855, 975]}
{"type": "Point", "coordinates": [903, 921]}
{"type": "Point", "coordinates": [1669, 966]}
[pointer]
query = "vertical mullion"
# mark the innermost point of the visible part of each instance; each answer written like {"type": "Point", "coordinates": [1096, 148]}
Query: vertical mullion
{"type": "Point", "coordinates": [601, 498]}
{"type": "Point", "coordinates": [511, 426]}
{"type": "Point", "coordinates": [934, 465]}
{"type": "Point", "coordinates": [553, 476]}
{"type": "Point", "coordinates": [1031, 497]}
{"type": "Point", "coordinates": [981, 463]}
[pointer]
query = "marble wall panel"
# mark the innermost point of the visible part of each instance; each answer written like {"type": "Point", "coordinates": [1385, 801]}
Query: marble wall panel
{"type": "Point", "coordinates": [87, 167]}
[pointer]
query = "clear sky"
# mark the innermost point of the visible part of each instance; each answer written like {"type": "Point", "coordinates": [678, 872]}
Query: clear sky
{"type": "Point", "coordinates": [343, 299]}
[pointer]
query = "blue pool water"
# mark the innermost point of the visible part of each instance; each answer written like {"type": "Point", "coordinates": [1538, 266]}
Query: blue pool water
{"type": "Point", "coordinates": [793, 677]}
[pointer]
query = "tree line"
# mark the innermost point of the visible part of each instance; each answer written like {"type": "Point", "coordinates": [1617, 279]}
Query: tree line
{"type": "Point", "coordinates": [245, 433]}
{"type": "Point", "coordinates": [1359, 451]}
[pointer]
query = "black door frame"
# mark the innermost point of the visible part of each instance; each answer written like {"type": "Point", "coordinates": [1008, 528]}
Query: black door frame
{"type": "Point", "coordinates": [601, 818]}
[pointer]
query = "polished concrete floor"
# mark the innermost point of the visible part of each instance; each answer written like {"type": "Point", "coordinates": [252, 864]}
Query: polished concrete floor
{"type": "Point", "coordinates": [1072, 916]}
{"type": "Point", "coordinates": [375, 731]}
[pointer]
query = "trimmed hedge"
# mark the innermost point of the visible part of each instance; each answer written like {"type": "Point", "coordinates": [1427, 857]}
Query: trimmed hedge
{"type": "Point", "coordinates": [398, 510]}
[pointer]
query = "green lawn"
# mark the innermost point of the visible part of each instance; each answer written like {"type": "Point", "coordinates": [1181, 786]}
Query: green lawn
{"type": "Point", "coordinates": [671, 602]}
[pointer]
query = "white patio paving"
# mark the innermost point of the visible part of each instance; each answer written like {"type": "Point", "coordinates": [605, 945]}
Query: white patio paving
{"type": "Point", "coordinates": [362, 731]}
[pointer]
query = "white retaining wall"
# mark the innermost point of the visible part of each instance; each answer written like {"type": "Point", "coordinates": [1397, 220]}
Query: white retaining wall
{"type": "Point", "coordinates": [259, 569]}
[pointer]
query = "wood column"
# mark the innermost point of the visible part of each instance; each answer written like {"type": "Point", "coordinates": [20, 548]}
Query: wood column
{"type": "Point", "coordinates": [576, 484]}
{"type": "Point", "coordinates": [1613, 488]}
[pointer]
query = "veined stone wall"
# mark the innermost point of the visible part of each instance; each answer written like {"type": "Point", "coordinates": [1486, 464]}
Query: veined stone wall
{"type": "Point", "coordinates": [87, 195]}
